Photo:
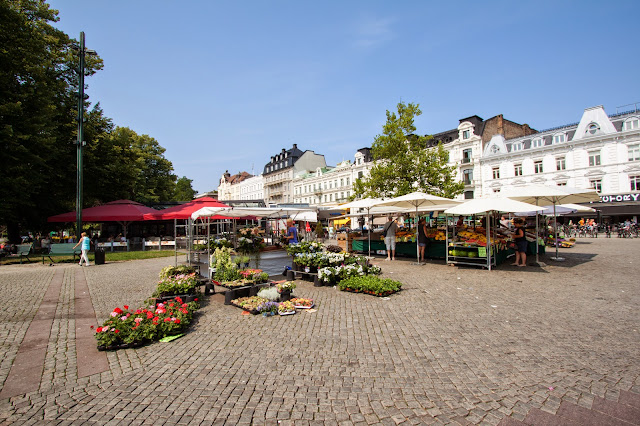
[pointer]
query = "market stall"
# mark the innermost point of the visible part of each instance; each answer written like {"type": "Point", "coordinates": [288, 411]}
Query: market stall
{"type": "Point", "coordinates": [486, 246]}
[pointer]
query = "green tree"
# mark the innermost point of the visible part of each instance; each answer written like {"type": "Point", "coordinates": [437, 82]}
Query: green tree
{"type": "Point", "coordinates": [404, 163]}
{"type": "Point", "coordinates": [184, 191]}
{"type": "Point", "coordinates": [37, 71]}
{"type": "Point", "coordinates": [135, 165]}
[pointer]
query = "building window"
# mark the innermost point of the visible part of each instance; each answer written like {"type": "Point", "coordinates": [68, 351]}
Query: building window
{"type": "Point", "coordinates": [466, 156]}
{"type": "Point", "coordinates": [496, 172]}
{"type": "Point", "coordinates": [341, 182]}
{"type": "Point", "coordinates": [468, 195]}
{"type": "Point", "coordinates": [517, 146]}
{"type": "Point", "coordinates": [537, 166]}
{"type": "Point", "coordinates": [635, 183]}
{"type": "Point", "coordinates": [634, 152]}
{"type": "Point", "coordinates": [559, 138]}
{"type": "Point", "coordinates": [360, 174]}
{"type": "Point", "coordinates": [594, 158]}
{"type": "Point", "coordinates": [593, 128]}
{"type": "Point", "coordinates": [561, 163]}
{"type": "Point", "coordinates": [467, 176]}
{"type": "Point", "coordinates": [517, 169]}
{"type": "Point", "coordinates": [537, 143]}
{"type": "Point", "coordinates": [632, 123]}
{"type": "Point", "coordinates": [466, 134]}
{"type": "Point", "coordinates": [596, 184]}
{"type": "Point", "coordinates": [347, 181]}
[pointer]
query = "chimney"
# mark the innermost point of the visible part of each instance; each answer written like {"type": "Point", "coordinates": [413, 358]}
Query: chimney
{"type": "Point", "coordinates": [295, 146]}
{"type": "Point", "coordinates": [500, 124]}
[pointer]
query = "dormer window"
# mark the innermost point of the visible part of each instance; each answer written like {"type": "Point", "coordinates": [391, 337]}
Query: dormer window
{"type": "Point", "coordinates": [517, 146]}
{"type": "Point", "coordinates": [632, 123]}
{"type": "Point", "coordinates": [559, 138]}
{"type": "Point", "coordinates": [495, 149]}
{"type": "Point", "coordinates": [466, 134]}
{"type": "Point", "coordinates": [593, 128]}
{"type": "Point", "coordinates": [537, 143]}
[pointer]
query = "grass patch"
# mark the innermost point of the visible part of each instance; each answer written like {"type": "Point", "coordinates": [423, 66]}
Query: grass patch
{"type": "Point", "coordinates": [109, 257]}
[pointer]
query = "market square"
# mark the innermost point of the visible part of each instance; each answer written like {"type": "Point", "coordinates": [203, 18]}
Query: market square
{"type": "Point", "coordinates": [457, 345]}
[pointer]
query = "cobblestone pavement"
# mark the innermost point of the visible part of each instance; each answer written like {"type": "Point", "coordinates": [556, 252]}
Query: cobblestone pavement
{"type": "Point", "coordinates": [457, 345]}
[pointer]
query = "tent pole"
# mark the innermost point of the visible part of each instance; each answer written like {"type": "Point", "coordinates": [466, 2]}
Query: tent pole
{"type": "Point", "coordinates": [175, 240]}
{"type": "Point", "coordinates": [555, 231]}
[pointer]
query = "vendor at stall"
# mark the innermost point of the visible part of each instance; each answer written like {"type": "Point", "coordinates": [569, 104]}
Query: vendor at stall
{"type": "Point", "coordinates": [292, 232]}
{"type": "Point", "coordinates": [521, 243]}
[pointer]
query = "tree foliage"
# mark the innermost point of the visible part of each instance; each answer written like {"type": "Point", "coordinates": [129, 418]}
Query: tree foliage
{"type": "Point", "coordinates": [38, 128]}
{"type": "Point", "coordinates": [404, 163]}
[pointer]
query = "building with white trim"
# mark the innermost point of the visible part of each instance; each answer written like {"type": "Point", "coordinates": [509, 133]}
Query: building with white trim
{"type": "Point", "coordinates": [241, 186]}
{"type": "Point", "coordinates": [331, 185]}
{"type": "Point", "coordinates": [600, 151]}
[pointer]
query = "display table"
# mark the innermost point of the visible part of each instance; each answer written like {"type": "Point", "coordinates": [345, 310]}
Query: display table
{"type": "Point", "coordinates": [434, 249]}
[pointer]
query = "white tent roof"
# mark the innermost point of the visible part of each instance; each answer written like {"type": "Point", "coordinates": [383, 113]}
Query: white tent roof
{"type": "Point", "coordinates": [482, 205]}
{"type": "Point", "coordinates": [278, 212]}
{"type": "Point", "coordinates": [365, 203]}
{"type": "Point", "coordinates": [417, 199]}
{"type": "Point", "coordinates": [545, 194]}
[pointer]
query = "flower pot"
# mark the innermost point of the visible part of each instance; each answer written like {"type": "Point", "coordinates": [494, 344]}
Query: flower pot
{"type": "Point", "coordinates": [285, 295]}
{"type": "Point", "coordinates": [317, 282]}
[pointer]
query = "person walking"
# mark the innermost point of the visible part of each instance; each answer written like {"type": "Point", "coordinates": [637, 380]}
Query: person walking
{"type": "Point", "coordinates": [389, 232]}
{"type": "Point", "coordinates": [422, 238]}
{"type": "Point", "coordinates": [86, 246]}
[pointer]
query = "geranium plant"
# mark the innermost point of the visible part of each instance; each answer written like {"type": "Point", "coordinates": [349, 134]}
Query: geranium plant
{"type": "Point", "coordinates": [134, 327]}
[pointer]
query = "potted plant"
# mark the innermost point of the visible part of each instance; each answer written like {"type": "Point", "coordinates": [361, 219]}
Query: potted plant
{"type": "Point", "coordinates": [285, 289]}
{"type": "Point", "coordinates": [286, 308]}
{"type": "Point", "coordinates": [268, 308]}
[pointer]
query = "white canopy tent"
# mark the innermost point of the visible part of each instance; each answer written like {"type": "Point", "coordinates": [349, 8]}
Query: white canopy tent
{"type": "Point", "coordinates": [417, 200]}
{"type": "Point", "coordinates": [487, 206]}
{"type": "Point", "coordinates": [535, 193]}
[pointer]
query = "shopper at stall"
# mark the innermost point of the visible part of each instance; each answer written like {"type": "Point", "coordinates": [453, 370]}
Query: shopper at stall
{"type": "Point", "coordinates": [389, 232]}
{"type": "Point", "coordinates": [422, 238]}
{"type": "Point", "coordinates": [292, 232]}
{"type": "Point", "coordinates": [86, 246]}
{"type": "Point", "coordinates": [521, 243]}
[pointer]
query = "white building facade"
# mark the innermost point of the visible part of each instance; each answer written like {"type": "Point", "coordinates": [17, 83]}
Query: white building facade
{"type": "Point", "coordinates": [600, 152]}
{"type": "Point", "coordinates": [242, 186]}
{"type": "Point", "coordinates": [331, 185]}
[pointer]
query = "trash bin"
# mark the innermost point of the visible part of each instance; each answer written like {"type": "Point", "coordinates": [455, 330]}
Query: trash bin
{"type": "Point", "coordinates": [99, 256]}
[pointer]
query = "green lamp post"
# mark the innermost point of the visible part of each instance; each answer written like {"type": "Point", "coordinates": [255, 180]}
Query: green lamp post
{"type": "Point", "coordinates": [80, 141]}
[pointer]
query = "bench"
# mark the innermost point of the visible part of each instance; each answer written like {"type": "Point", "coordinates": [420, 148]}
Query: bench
{"type": "Point", "coordinates": [62, 249]}
{"type": "Point", "coordinates": [23, 250]}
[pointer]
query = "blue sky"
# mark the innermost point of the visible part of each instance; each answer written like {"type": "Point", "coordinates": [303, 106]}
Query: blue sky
{"type": "Point", "coordinates": [225, 85]}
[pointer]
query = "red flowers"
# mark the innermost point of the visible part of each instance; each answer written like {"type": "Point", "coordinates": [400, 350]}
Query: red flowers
{"type": "Point", "coordinates": [117, 310]}
{"type": "Point", "coordinates": [98, 330]}
{"type": "Point", "coordinates": [126, 307]}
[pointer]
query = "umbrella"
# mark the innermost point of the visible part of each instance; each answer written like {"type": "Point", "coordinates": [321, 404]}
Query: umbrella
{"type": "Point", "coordinates": [184, 211]}
{"type": "Point", "coordinates": [485, 205]}
{"type": "Point", "coordinates": [417, 200]}
{"type": "Point", "coordinates": [553, 194]}
{"type": "Point", "coordinates": [121, 211]}
{"type": "Point", "coordinates": [365, 203]}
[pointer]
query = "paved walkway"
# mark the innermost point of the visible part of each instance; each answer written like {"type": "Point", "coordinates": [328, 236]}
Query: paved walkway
{"type": "Point", "coordinates": [456, 346]}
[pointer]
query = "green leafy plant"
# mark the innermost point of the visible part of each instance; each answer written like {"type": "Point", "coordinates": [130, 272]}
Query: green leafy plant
{"type": "Point", "coordinates": [370, 284]}
{"type": "Point", "coordinates": [177, 284]}
{"type": "Point", "coordinates": [170, 271]}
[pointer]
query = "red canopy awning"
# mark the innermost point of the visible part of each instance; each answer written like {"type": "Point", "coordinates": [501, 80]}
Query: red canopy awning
{"type": "Point", "coordinates": [183, 211]}
{"type": "Point", "coordinates": [115, 211]}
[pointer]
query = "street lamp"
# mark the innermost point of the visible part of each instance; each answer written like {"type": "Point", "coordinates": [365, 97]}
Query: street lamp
{"type": "Point", "coordinates": [80, 141]}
